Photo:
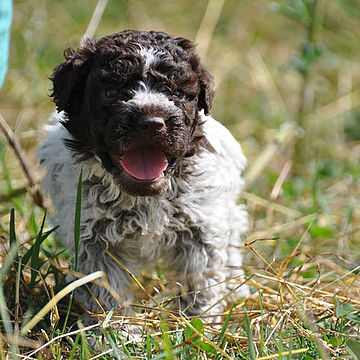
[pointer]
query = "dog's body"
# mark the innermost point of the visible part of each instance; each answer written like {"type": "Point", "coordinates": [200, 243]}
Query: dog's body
{"type": "Point", "coordinates": [160, 178]}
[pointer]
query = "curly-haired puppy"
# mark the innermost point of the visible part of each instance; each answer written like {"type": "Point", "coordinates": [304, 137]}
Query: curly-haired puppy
{"type": "Point", "coordinates": [161, 177]}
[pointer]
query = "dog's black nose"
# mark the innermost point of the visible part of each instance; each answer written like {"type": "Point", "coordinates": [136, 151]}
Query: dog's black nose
{"type": "Point", "coordinates": [151, 124]}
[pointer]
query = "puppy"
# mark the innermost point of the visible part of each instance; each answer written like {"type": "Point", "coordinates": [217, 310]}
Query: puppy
{"type": "Point", "coordinates": [161, 178]}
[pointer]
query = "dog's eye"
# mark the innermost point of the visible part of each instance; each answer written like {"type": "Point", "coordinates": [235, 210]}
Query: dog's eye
{"type": "Point", "coordinates": [178, 94]}
{"type": "Point", "coordinates": [112, 93]}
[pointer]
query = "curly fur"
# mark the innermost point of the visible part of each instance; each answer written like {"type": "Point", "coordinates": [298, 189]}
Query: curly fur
{"type": "Point", "coordinates": [189, 220]}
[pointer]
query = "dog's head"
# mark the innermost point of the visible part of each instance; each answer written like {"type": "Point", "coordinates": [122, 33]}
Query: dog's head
{"type": "Point", "coordinates": [133, 99]}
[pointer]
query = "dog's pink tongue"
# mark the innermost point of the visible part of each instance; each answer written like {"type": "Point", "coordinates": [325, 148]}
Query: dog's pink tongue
{"type": "Point", "coordinates": [144, 163]}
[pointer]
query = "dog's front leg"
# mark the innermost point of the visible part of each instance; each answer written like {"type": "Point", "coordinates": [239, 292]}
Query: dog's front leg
{"type": "Point", "coordinates": [202, 266]}
{"type": "Point", "coordinates": [97, 298]}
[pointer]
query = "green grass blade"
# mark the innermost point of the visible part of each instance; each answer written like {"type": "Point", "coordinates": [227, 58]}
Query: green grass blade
{"type": "Point", "coordinates": [35, 256]}
{"type": "Point", "coordinates": [224, 327]}
{"type": "Point", "coordinates": [67, 312]}
{"type": "Point", "coordinates": [6, 173]}
{"type": "Point", "coordinates": [28, 254]}
{"type": "Point", "coordinates": [353, 348]}
{"type": "Point", "coordinates": [154, 342]}
{"type": "Point", "coordinates": [148, 347]}
{"type": "Point", "coordinates": [84, 347]}
{"type": "Point", "coordinates": [2, 148]}
{"type": "Point", "coordinates": [109, 334]}
{"type": "Point", "coordinates": [108, 317]}
{"type": "Point", "coordinates": [249, 336]}
{"type": "Point", "coordinates": [3, 307]}
{"type": "Point", "coordinates": [126, 350]}
{"type": "Point", "coordinates": [166, 339]}
{"type": "Point", "coordinates": [290, 347]}
{"type": "Point", "coordinates": [262, 326]}
{"type": "Point", "coordinates": [77, 226]}
{"type": "Point", "coordinates": [74, 347]}
{"type": "Point", "coordinates": [32, 226]}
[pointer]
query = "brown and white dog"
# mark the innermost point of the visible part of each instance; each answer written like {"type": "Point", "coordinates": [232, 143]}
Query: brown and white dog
{"type": "Point", "coordinates": [161, 177]}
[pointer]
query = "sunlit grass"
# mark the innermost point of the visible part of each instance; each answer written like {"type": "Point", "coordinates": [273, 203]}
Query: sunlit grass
{"type": "Point", "coordinates": [272, 67]}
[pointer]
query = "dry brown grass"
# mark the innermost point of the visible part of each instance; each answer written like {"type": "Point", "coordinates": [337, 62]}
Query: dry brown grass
{"type": "Point", "coordinates": [301, 249]}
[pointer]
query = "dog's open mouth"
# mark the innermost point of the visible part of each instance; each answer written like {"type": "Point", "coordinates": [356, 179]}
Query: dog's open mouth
{"type": "Point", "coordinates": [145, 164]}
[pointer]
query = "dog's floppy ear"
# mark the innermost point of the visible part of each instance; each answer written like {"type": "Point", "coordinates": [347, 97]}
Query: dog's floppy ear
{"type": "Point", "coordinates": [206, 95]}
{"type": "Point", "coordinates": [69, 77]}
{"type": "Point", "coordinates": [205, 78]}
{"type": "Point", "coordinates": [206, 89]}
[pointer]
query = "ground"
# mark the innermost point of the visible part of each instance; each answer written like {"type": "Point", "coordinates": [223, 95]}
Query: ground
{"type": "Point", "coordinates": [287, 78]}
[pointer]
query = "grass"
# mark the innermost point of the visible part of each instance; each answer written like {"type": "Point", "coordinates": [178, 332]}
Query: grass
{"type": "Point", "coordinates": [287, 81]}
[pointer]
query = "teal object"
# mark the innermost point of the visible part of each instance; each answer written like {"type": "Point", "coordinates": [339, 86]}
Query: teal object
{"type": "Point", "coordinates": [5, 24]}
